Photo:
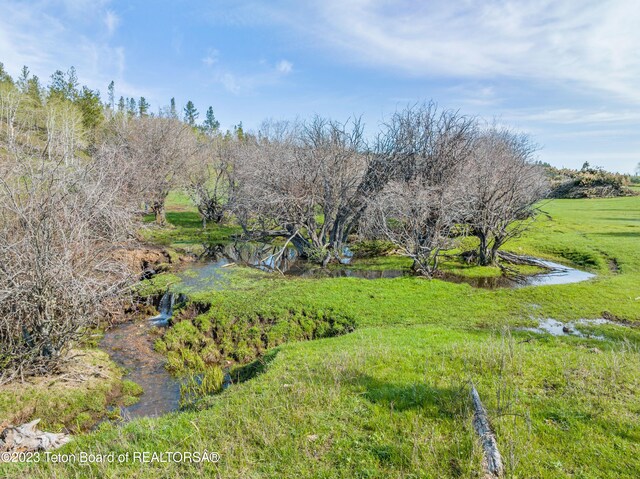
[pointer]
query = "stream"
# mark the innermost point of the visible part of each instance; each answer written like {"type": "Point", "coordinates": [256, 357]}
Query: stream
{"type": "Point", "coordinates": [211, 272]}
{"type": "Point", "coordinates": [130, 344]}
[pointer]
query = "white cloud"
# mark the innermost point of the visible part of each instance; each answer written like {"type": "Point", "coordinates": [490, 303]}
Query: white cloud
{"type": "Point", "coordinates": [590, 44]}
{"type": "Point", "coordinates": [231, 82]}
{"type": "Point", "coordinates": [56, 46]}
{"type": "Point", "coordinates": [284, 67]}
{"type": "Point", "coordinates": [211, 58]}
{"type": "Point", "coordinates": [111, 21]}
{"type": "Point", "coordinates": [248, 82]}
{"type": "Point", "coordinates": [571, 116]}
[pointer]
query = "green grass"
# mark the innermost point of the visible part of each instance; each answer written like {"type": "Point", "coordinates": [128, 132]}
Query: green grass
{"type": "Point", "coordinates": [184, 231]}
{"type": "Point", "coordinates": [393, 402]}
{"type": "Point", "coordinates": [391, 399]}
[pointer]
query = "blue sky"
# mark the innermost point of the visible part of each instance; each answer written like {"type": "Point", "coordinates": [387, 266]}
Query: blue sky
{"type": "Point", "coordinates": [566, 72]}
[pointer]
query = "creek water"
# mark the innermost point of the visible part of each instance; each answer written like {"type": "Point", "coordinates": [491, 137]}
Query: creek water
{"type": "Point", "coordinates": [555, 274]}
{"type": "Point", "coordinates": [130, 344]}
{"type": "Point", "coordinates": [211, 272]}
{"type": "Point", "coordinates": [558, 328]}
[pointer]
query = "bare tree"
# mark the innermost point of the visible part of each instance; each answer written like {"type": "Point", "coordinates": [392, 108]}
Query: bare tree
{"type": "Point", "coordinates": [308, 182]}
{"type": "Point", "coordinates": [503, 186]}
{"type": "Point", "coordinates": [160, 148]}
{"type": "Point", "coordinates": [10, 101]}
{"type": "Point", "coordinates": [64, 129]}
{"type": "Point", "coordinates": [210, 180]}
{"type": "Point", "coordinates": [421, 208]}
{"type": "Point", "coordinates": [58, 229]}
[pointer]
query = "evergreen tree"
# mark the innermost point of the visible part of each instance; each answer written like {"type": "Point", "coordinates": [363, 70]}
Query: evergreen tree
{"type": "Point", "coordinates": [23, 79]}
{"type": "Point", "coordinates": [239, 131]}
{"type": "Point", "coordinates": [132, 107]}
{"type": "Point", "coordinates": [111, 93]}
{"type": "Point", "coordinates": [172, 109]}
{"type": "Point", "coordinates": [121, 105]}
{"type": "Point", "coordinates": [63, 86]}
{"type": "Point", "coordinates": [91, 108]}
{"type": "Point", "coordinates": [190, 114]}
{"type": "Point", "coordinates": [4, 76]}
{"type": "Point", "coordinates": [34, 91]}
{"type": "Point", "coordinates": [71, 89]}
{"type": "Point", "coordinates": [210, 123]}
{"type": "Point", "coordinates": [57, 85]}
{"type": "Point", "coordinates": [143, 106]}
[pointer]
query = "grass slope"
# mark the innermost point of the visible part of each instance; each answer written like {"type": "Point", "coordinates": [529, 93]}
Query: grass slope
{"type": "Point", "coordinates": [391, 398]}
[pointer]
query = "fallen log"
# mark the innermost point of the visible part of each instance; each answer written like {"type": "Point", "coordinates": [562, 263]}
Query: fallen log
{"type": "Point", "coordinates": [27, 438]}
{"type": "Point", "coordinates": [520, 260]}
{"type": "Point", "coordinates": [491, 458]}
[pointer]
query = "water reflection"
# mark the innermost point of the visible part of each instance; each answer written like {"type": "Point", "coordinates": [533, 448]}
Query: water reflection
{"type": "Point", "coordinates": [267, 257]}
{"type": "Point", "coordinates": [558, 328]}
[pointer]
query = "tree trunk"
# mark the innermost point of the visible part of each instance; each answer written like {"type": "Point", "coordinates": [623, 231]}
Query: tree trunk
{"type": "Point", "coordinates": [497, 243]}
{"type": "Point", "coordinates": [492, 460]}
{"type": "Point", "coordinates": [299, 243]}
{"type": "Point", "coordinates": [484, 254]}
{"type": "Point", "coordinates": [159, 212]}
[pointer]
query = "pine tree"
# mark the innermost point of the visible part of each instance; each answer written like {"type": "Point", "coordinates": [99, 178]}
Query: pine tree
{"type": "Point", "coordinates": [121, 105]}
{"type": "Point", "coordinates": [71, 88]}
{"type": "Point", "coordinates": [172, 110]}
{"type": "Point", "coordinates": [34, 91]}
{"type": "Point", "coordinates": [23, 79]}
{"type": "Point", "coordinates": [143, 106]}
{"type": "Point", "coordinates": [132, 107]}
{"type": "Point", "coordinates": [91, 108]}
{"type": "Point", "coordinates": [190, 114]}
{"type": "Point", "coordinates": [111, 93]}
{"type": "Point", "coordinates": [210, 123]}
{"type": "Point", "coordinates": [239, 131]}
{"type": "Point", "coordinates": [57, 85]}
{"type": "Point", "coordinates": [62, 86]}
{"type": "Point", "coordinates": [4, 76]}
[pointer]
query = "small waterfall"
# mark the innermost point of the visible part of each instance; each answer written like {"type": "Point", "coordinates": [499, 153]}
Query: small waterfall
{"type": "Point", "coordinates": [165, 307]}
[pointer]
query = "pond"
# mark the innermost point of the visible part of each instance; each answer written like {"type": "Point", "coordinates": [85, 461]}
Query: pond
{"type": "Point", "coordinates": [211, 271]}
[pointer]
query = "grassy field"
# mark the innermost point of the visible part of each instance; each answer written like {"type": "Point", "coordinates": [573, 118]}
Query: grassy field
{"type": "Point", "coordinates": [391, 399]}
{"type": "Point", "coordinates": [184, 231]}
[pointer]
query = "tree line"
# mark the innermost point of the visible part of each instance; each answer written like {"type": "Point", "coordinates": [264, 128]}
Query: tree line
{"type": "Point", "coordinates": [430, 177]}
{"type": "Point", "coordinates": [77, 174]}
